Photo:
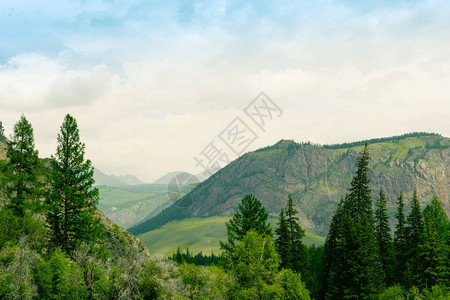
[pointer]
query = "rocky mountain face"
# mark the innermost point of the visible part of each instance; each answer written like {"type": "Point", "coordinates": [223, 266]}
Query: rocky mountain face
{"type": "Point", "coordinates": [317, 177]}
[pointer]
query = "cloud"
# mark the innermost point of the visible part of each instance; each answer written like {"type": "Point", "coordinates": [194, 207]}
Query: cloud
{"type": "Point", "coordinates": [152, 84]}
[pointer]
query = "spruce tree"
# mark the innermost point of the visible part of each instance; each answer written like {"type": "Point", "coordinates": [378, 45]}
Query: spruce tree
{"type": "Point", "coordinates": [330, 249]}
{"type": "Point", "coordinates": [22, 169]}
{"type": "Point", "coordinates": [431, 264]}
{"type": "Point", "coordinates": [71, 199]}
{"type": "Point", "coordinates": [251, 215]}
{"type": "Point", "coordinates": [414, 230]}
{"type": "Point", "coordinates": [400, 241]}
{"type": "Point", "coordinates": [282, 241]}
{"type": "Point", "coordinates": [356, 269]}
{"type": "Point", "coordinates": [289, 242]}
{"type": "Point", "coordinates": [437, 215]}
{"type": "Point", "coordinates": [359, 198]}
{"type": "Point", "coordinates": [383, 235]}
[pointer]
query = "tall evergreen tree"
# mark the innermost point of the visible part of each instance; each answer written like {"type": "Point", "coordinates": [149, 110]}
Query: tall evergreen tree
{"type": "Point", "coordinates": [437, 215]}
{"type": "Point", "coordinates": [22, 187]}
{"type": "Point", "coordinates": [71, 200]}
{"type": "Point", "coordinates": [359, 198]}
{"type": "Point", "coordinates": [251, 215]}
{"type": "Point", "coordinates": [431, 264]}
{"type": "Point", "coordinates": [414, 230]}
{"type": "Point", "coordinates": [356, 269]}
{"type": "Point", "coordinates": [2, 130]}
{"type": "Point", "coordinates": [282, 242]}
{"type": "Point", "coordinates": [383, 235]}
{"type": "Point", "coordinates": [290, 231]}
{"type": "Point", "coordinates": [400, 241]}
{"type": "Point", "coordinates": [330, 249]}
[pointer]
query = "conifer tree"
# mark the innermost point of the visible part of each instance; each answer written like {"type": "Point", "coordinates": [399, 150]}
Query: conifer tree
{"type": "Point", "coordinates": [383, 235]}
{"type": "Point", "coordinates": [330, 249]}
{"type": "Point", "coordinates": [437, 215]}
{"type": "Point", "coordinates": [71, 200]}
{"type": "Point", "coordinates": [251, 215]}
{"type": "Point", "coordinates": [290, 235]}
{"type": "Point", "coordinates": [400, 241]}
{"type": "Point", "coordinates": [282, 241]}
{"type": "Point", "coordinates": [356, 269]}
{"type": "Point", "coordinates": [414, 230]}
{"type": "Point", "coordinates": [359, 198]}
{"type": "Point", "coordinates": [431, 258]}
{"type": "Point", "coordinates": [22, 187]}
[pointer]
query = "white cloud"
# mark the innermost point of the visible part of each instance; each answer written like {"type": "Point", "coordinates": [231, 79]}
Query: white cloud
{"type": "Point", "coordinates": [149, 101]}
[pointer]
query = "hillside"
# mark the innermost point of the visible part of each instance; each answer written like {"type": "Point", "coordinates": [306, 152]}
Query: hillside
{"type": "Point", "coordinates": [317, 176]}
{"type": "Point", "coordinates": [200, 235]}
{"type": "Point", "coordinates": [129, 205]}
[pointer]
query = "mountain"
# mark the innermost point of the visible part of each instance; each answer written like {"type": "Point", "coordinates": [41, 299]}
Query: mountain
{"type": "Point", "coordinates": [129, 205]}
{"type": "Point", "coordinates": [113, 180]}
{"type": "Point", "coordinates": [202, 176]}
{"type": "Point", "coordinates": [317, 176]}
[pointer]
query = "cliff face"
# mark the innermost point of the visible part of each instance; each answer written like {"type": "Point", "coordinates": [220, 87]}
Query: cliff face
{"type": "Point", "coordinates": [317, 177]}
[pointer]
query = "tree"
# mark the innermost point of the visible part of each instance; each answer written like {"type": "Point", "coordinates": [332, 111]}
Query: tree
{"type": "Point", "coordinates": [282, 241]}
{"type": "Point", "coordinates": [71, 199]}
{"type": "Point", "coordinates": [383, 235]}
{"type": "Point", "coordinates": [359, 198]}
{"type": "Point", "coordinates": [255, 263]}
{"type": "Point", "coordinates": [2, 130]}
{"type": "Point", "coordinates": [437, 215]}
{"type": "Point", "coordinates": [400, 241]}
{"type": "Point", "coordinates": [21, 170]}
{"type": "Point", "coordinates": [431, 258]}
{"type": "Point", "coordinates": [330, 247]}
{"type": "Point", "coordinates": [355, 269]}
{"type": "Point", "coordinates": [414, 230]}
{"type": "Point", "coordinates": [289, 241]}
{"type": "Point", "coordinates": [251, 215]}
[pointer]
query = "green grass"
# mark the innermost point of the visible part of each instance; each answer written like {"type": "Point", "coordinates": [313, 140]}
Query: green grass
{"type": "Point", "coordinates": [199, 234]}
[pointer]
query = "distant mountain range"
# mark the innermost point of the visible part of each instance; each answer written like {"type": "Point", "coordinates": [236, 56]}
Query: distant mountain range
{"type": "Point", "coordinates": [113, 180]}
{"type": "Point", "coordinates": [317, 176]}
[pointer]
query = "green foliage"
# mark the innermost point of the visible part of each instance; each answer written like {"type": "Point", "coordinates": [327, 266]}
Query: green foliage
{"type": "Point", "coordinates": [289, 243]}
{"type": "Point", "coordinates": [292, 286]}
{"type": "Point", "coordinates": [380, 140]}
{"type": "Point", "coordinates": [437, 215]}
{"type": "Point", "coordinates": [400, 241]}
{"type": "Point", "coordinates": [431, 263]}
{"type": "Point", "coordinates": [251, 215]}
{"type": "Point", "coordinates": [254, 263]}
{"type": "Point", "coordinates": [383, 235]}
{"type": "Point", "coordinates": [21, 170]}
{"type": "Point", "coordinates": [414, 231]}
{"type": "Point", "coordinates": [70, 203]}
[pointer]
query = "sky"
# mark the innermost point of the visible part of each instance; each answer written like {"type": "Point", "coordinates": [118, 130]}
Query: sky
{"type": "Point", "coordinates": [155, 84]}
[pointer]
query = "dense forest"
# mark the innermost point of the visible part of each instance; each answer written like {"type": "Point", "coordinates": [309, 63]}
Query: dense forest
{"type": "Point", "coordinates": [55, 245]}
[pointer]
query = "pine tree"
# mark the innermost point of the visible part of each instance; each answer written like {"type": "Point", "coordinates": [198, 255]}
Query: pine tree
{"type": "Point", "coordinates": [414, 230]}
{"type": "Point", "coordinates": [359, 199]}
{"type": "Point", "coordinates": [251, 215]}
{"type": "Point", "coordinates": [2, 130]}
{"type": "Point", "coordinates": [330, 249]}
{"type": "Point", "coordinates": [289, 242]}
{"type": "Point", "coordinates": [437, 215]}
{"type": "Point", "coordinates": [400, 241]}
{"type": "Point", "coordinates": [431, 258]}
{"type": "Point", "coordinates": [296, 234]}
{"type": "Point", "coordinates": [383, 235]}
{"type": "Point", "coordinates": [356, 269]}
{"type": "Point", "coordinates": [282, 241]}
{"type": "Point", "coordinates": [22, 187]}
{"type": "Point", "coordinates": [71, 200]}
